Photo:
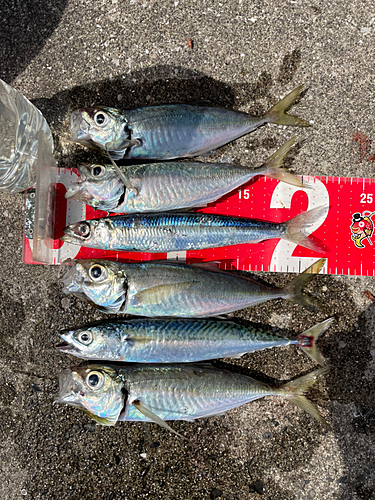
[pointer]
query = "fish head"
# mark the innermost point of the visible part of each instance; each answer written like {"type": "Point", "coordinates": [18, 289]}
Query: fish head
{"type": "Point", "coordinates": [96, 342]}
{"type": "Point", "coordinates": [95, 233]}
{"type": "Point", "coordinates": [98, 186]}
{"type": "Point", "coordinates": [101, 282]}
{"type": "Point", "coordinates": [97, 390]}
{"type": "Point", "coordinates": [100, 128]}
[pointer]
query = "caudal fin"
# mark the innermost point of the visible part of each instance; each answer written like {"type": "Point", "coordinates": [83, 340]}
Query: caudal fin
{"type": "Point", "coordinates": [277, 114]}
{"type": "Point", "coordinates": [273, 165]}
{"type": "Point", "coordinates": [294, 291]}
{"type": "Point", "coordinates": [307, 340]}
{"type": "Point", "coordinates": [295, 389]}
{"type": "Point", "coordinates": [297, 230]}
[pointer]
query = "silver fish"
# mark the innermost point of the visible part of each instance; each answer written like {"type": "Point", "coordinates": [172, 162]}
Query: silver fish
{"type": "Point", "coordinates": [109, 394]}
{"type": "Point", "coordinates": [168, 340]}
{"type": "Point", "coordinates": [156, 288]}
{"type": "Point", "coordinates": [158, 187]}
{"type": "Point", "coordinates": [178, 231]}
{"type": "Point", "coordinates": [172, 130]}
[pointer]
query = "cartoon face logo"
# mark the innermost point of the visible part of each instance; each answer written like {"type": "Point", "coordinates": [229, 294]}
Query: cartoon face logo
{"type": "Point", "coordinates": [362, 228]}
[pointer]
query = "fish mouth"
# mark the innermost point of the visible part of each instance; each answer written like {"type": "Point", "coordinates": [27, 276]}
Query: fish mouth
{"type": "Point", "coordinates": [78, 193]}
{"type": "Point", "coordinates": [70, 234]}
{"type": "Point", "coordinates": [79, 127]}
{"type": "Point", "coordinates": [73, 278]}
{"type": "Point", "coordinates": [64, 346]}
{"type": "Point", "coordinates": [67, 389]}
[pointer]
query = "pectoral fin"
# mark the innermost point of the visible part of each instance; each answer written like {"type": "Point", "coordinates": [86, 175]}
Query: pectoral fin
{"type": "Point", "coordinates": [160, 293]}
{"type": "Point", "coordinates": [152, 416]}
{"type": "Point", "coordinates": [121, 175]}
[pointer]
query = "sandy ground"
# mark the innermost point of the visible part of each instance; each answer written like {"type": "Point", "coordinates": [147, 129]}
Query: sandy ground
{"type": "Point", "coordinates": [245, 55]}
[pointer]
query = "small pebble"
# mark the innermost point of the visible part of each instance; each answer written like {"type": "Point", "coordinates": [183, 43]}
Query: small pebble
{"type": "Point", "coordinates": [143, 455]}
{"type": "Point", "coordinates": [258, 487]}
{"type": "Point", "coordinates": [35, 387]}
{"type": "Point", "coordinates": [89, 428]}
{"type": "Point", "coordinates": [65, 303]}
{"type": "Point", "coordinates": [110, 496]}
{"type": "Point", "coordinates": [23, 492]}
{"type": "Point", "coordinates": [267, 435]}
{"type": "Point", "coordinates": [215, 493]}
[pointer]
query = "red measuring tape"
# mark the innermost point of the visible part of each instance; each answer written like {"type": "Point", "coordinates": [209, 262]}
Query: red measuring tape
{"type": "Point", "coordinates": [346, 228]}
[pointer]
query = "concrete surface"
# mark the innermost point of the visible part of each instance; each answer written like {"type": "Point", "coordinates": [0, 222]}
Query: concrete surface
{"type": "Point", "coordinates": [245, 55]}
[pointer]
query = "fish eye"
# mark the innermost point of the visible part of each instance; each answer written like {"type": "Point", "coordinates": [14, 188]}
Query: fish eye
{"type": "Point", "coordinates": [84, 229]}
{"type": "Point", "coordinates": [101, 118]}
{"type": "Point", "coordinates": [98, 171]}
{"type": "Point", "coordinates": [95, 380]}
{"type": "Point", "coordinates": [85, 337]}
{"type": "Point", "coordinates": [361, 224]}
{"type": "Point", "coordinates": [97, 272]}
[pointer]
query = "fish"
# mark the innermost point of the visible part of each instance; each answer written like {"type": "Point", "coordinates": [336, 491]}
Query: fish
{"type": "Point", "coordinates": [172, 130]}
{"type": "Point", "coordinates": [178, 231]}
{"type": "Point", "coordinates": [166, 340]}
{"type": "Point", "coordinates": [158, 393]}
{"type": "Point", "coordinates": [158, 187]}
{"type": "Point", "coordinates": [170, 289]}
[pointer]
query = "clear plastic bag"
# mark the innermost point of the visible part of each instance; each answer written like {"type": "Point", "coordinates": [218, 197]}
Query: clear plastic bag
{"type": "Point", "coordinates": [20, 123]}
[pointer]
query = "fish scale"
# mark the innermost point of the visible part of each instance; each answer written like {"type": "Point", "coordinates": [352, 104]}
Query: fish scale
{"type": "Point", "coordinates": [169, 186]}
{"type": "Point", "coordinates": [172, 130]}
{"type": "Point", "coordinates": [168, 340]}
{"type": "Point", "coordinates": [157, 288]}
{"type": "Point", "coordinates": [109, 394]}
{"type": "Point", "coordinates": [168, 232]}
{"type": "Point", "coordinates": [177, 393]}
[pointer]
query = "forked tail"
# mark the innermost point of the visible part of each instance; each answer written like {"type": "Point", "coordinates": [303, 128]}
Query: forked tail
{"type": "Point", "coordinates": [272, 167]}
{"type": "Point", "coordinates": [277, 114]}
{"type": "Point", "coordinates": [294, 392]}
{"type": "Point", "coordinates": [307, 340]}
{"type": "Point", "coordinates": [297, 230]}
{"type": "Point", "coordinates": [294, 291]}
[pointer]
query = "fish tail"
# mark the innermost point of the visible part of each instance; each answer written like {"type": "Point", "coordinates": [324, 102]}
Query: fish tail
{"type": "Point", "coordinates": [294, 291]}
{"type": "Point", "coordinates": [272, 167]}
{"type": "Point", "coordinates": [297, 230]}
{"type": "Point", "coordinates": [294, 391]}
{"type": "Point", "coordinates": [307, 340]}
{"type": "Point", "coordinates": [277, 114]}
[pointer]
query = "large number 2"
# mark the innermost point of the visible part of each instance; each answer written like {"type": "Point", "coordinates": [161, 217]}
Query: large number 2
{"type": "Point", "coordinates": [282, 258]}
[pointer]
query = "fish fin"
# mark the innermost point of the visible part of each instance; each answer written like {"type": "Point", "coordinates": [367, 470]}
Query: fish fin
{"type": "Point", "coordinates": [220, 414]}
{"type": "Point", "coordinates": [152, 416]}
{"type": "Point", "coordinates": [277, 114]}
{"type": "Point", "coordinates": [160, 293]}
{"type": "Point", "coordinates": [294, 291]}
{"type": "Point", "coordinates": [296, 230]}
{"type": "Point", "coordinates": [273, 165]}
{"type": "Point", "coordinates": [307, 340]}
{"type": "Point", "coordinates": [295, 389]}
{"type": "Point", "coordinates": [100, 420]}
{"type": "Point", "coordinates": [121, 175]}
